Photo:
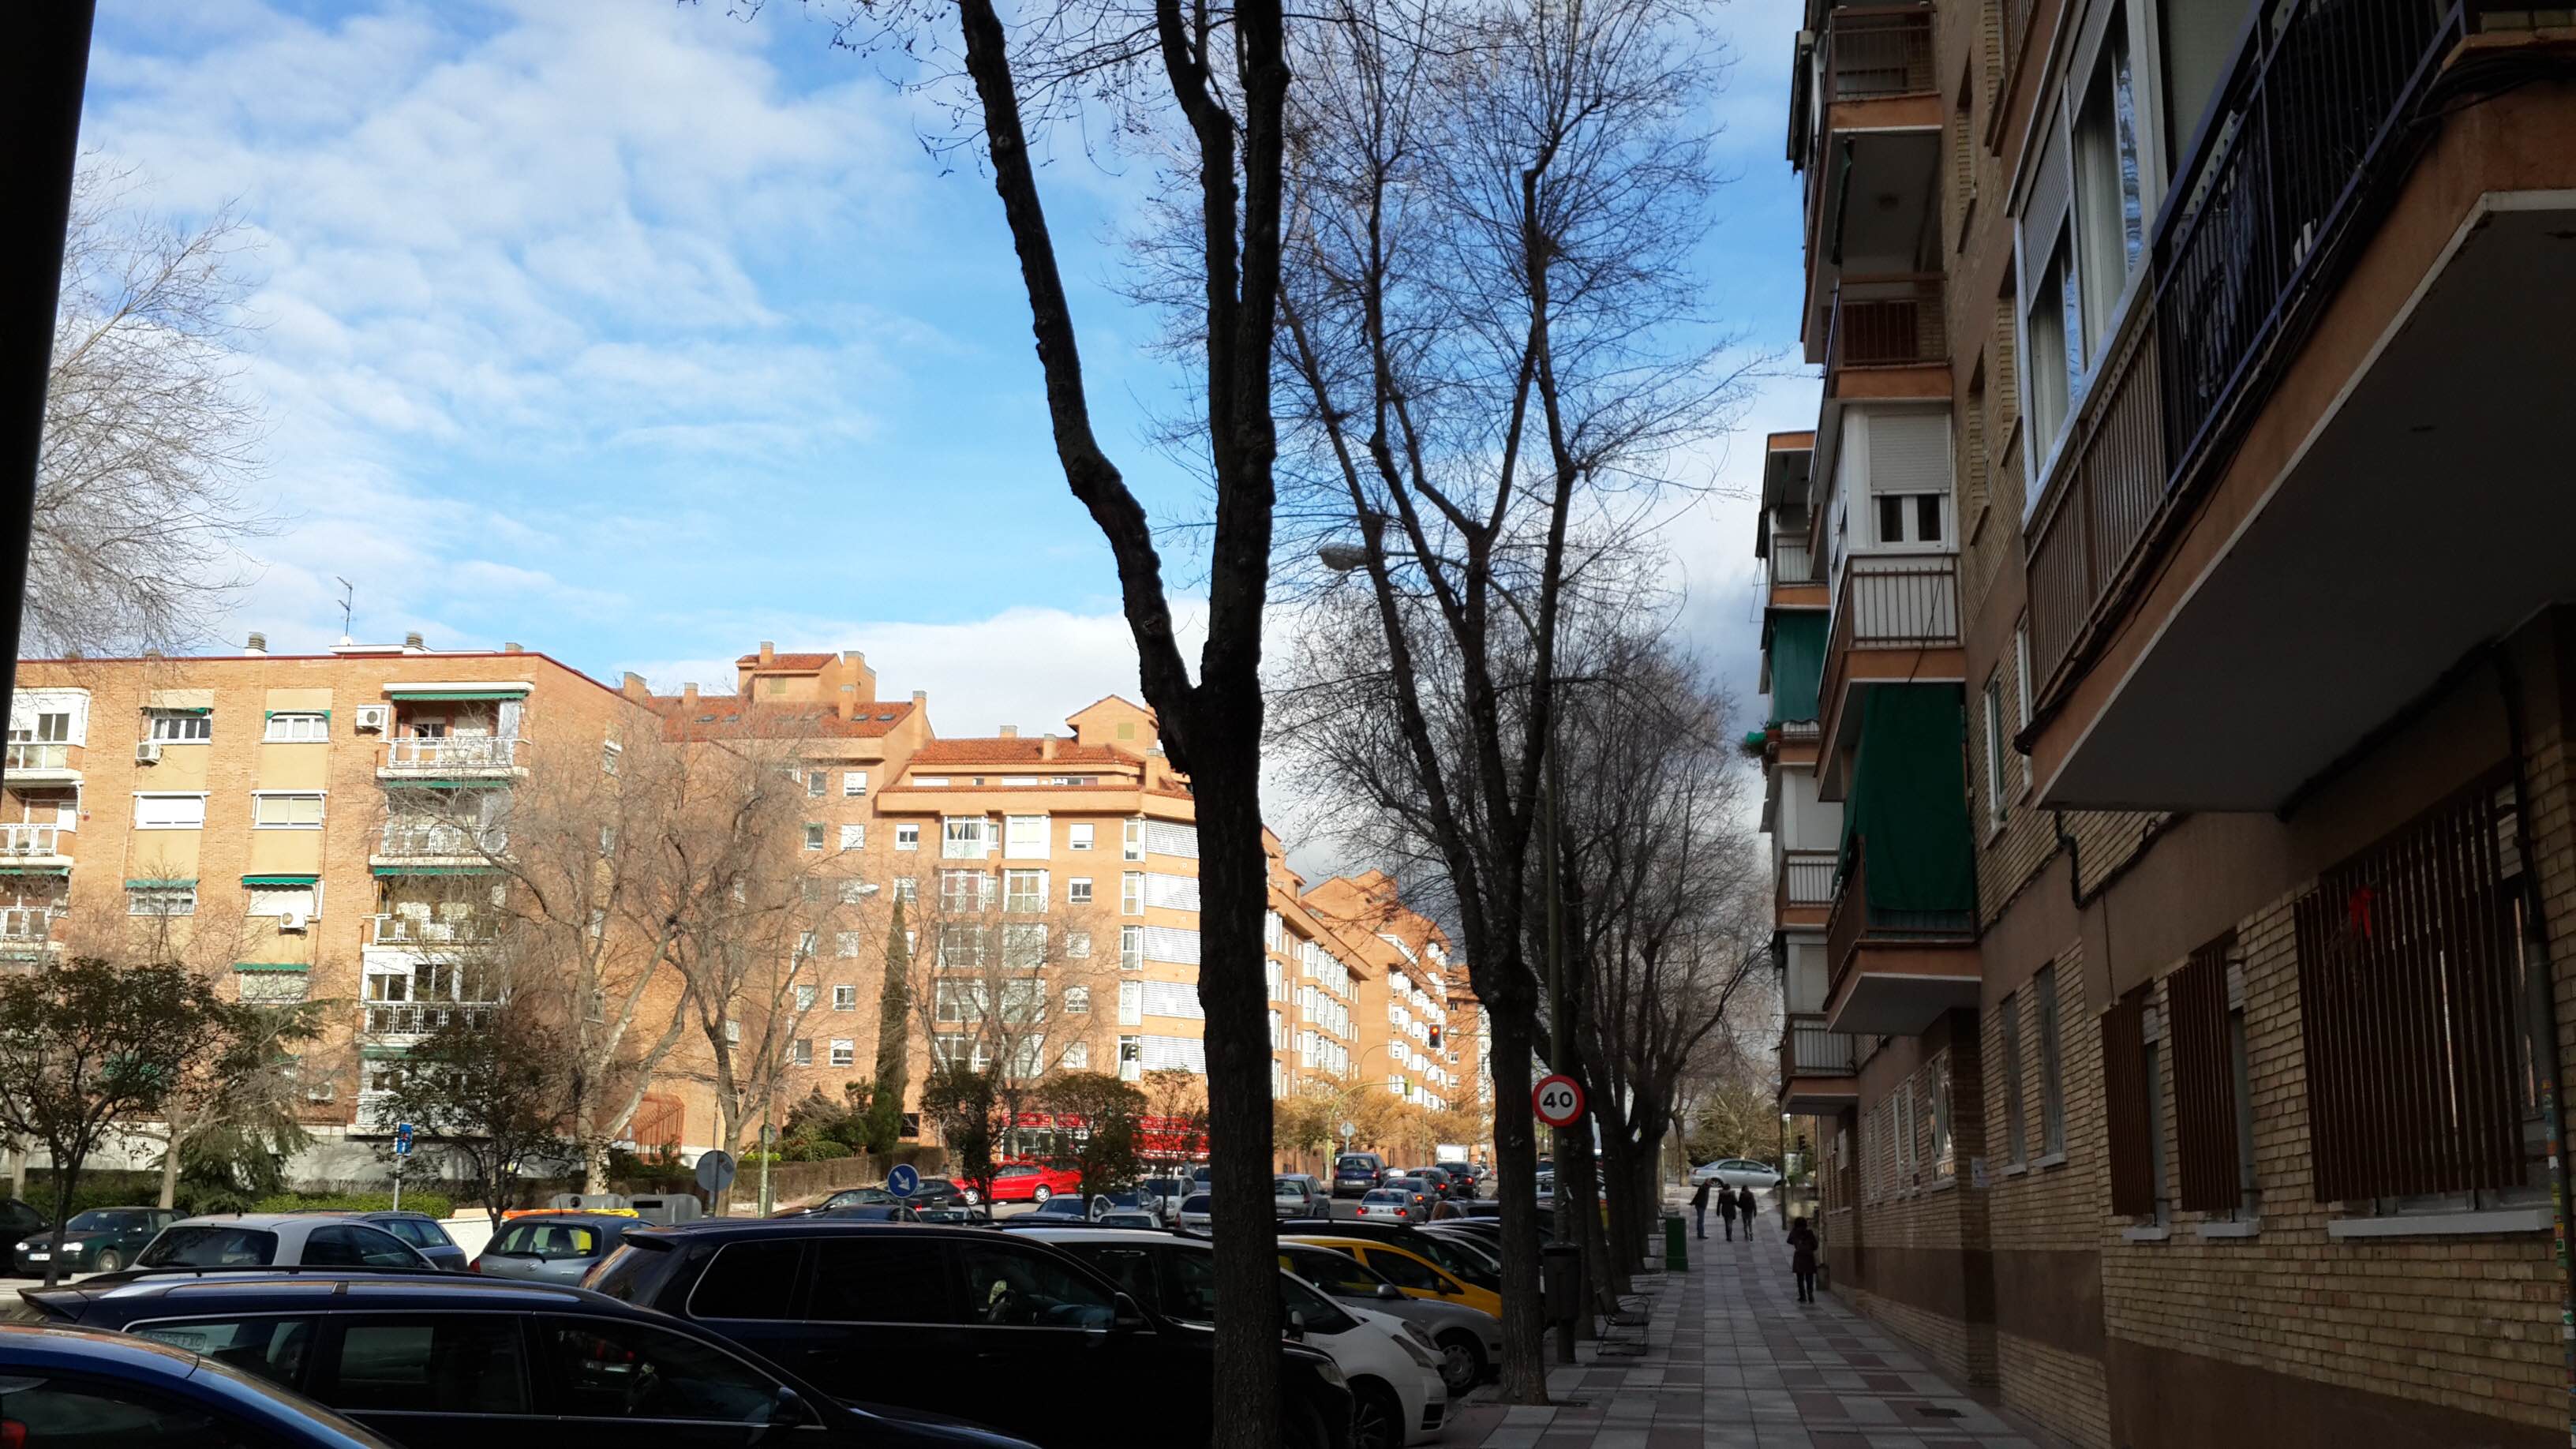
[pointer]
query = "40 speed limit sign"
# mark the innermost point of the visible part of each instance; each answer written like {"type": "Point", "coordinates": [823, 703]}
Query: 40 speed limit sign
{"type": "Point", "coordinates": [1557, 1100]}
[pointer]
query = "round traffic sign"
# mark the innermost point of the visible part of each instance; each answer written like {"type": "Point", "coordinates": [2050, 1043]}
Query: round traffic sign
{"type": "Point", "coordinates": [904, 1180]}
{"type": "Point", "coordinates": [715, 1170]}
{"type": "Point", "coordinates": [1557, 1100]}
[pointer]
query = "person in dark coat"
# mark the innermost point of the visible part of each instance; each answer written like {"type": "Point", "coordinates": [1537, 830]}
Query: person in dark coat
{"type": "Point", "coordinates": [1802, 1258]}
{"type": "Point", "coordinates": [1744, 1209]}
{"type": "Point", "coordinates": [1699, 1205]}
{"type": "Point", "coordinates": [1726, 1210]}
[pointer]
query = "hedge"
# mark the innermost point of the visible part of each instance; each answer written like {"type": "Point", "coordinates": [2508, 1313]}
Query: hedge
{"type": "Point", "coordinates": [437, 1205]}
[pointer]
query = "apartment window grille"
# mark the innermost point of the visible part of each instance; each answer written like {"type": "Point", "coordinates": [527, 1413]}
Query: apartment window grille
{"type": "Point", "coordinates": [181, 726]}
{"type": "Point", "coordinates": [2052, 1066]}
{"type": "Point", "coordinates": [2008, 1034]}
{"type": "Point", "coordinates": [297, 728]}
{"type": "Point", "coordinates": [2128, 1106]}
{"type": "Point", "coordinates": [2412, 970]}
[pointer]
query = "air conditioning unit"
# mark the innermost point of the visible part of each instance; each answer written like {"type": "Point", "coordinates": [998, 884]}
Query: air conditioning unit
{"type": "Point", "coordinates": [372, 718]}
{"type": "Point", "coordinates": [293, 921]}
{"type": "Point", "coordinates": [320, 1092]}
{"type": "Point", "coordinates": [147, 752]}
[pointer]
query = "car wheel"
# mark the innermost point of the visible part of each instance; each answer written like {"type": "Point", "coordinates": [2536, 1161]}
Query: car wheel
{"type": "Point", "coordinates": [1462, 1361]}
{"type": "Point", "coordinates": [1377, 1418]}
{"type": "Point", "coordinates": [969, 1197]}
{"type": "Point", "coordinates": [1304, 1427]}
{"type": "Point", "coordinates": [109, 1261]}
{"type": "Point", "coordinates": [1043, 1193]}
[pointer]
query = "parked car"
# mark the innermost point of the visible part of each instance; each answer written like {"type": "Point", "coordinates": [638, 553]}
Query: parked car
{"type": "Point", "coordinates": [847, 1197]}
{"type": "Point", "coordinates": [1425, 1192]}
{"type": "Point", "coordinates": [1467, 1341]}
{"type": "Point", "coordinates": [552, 1247]}
{"type": "Point", "coordinates": [274, 1240]}
{"type": "Point", "coordinates": [941, 1192]}
{"type": "Point", "coordinates": [17, 1220]}
{"type": "Point", "coordinates": [1412, 1271]}
{"type": "Point", "coordinates": [1736, 1172]}
{"type": "Point", "coordinates": [1162, 1195]}
{"type": "Point", "coordinates": [91, 1386]}
{"type": "Point", "coordinates": [1452, 1257]}
{"type": "Point", "coordinates": [422, 1232]}
{"type": "Point", "coordinates": [1063, 1206]}
{"type": "Point", "coordinates": [1397, 1394]}
{"type": "Point", "coordinates": [1437, 1181]}
{"type": "Point", "coordinates": [1296, 1195]}
{"type": "Point", "coordinates": [461, 1360]}
{"type": "Point", "coordinates": [1129, 1218]}
{"type": "Point", "coordinates": [938, 1316]}
{"type": "Point", "coordinates": [1195, 1211]}
{"type": "Point", "coordinates": [1033, 1181]}
{"type": "Point", "coordinates": [1152, 1205]}
{"type": "Point", "coordinates": [1392, 1205]}
{"type": "Point", "coordinates": [1354, 1173]}
{"type": "Point", "coordinates": [958, 1214]}
{"type": "Point", "coordinates": [101, 1240]}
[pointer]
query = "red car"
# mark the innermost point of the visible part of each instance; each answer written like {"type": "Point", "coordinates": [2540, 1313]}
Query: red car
{"type": "Point", "coordinates": [1033, 1181]}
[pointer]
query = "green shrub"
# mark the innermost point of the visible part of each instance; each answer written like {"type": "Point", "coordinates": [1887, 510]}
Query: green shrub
{"type": "Point", "coordinates": [437, 1205]}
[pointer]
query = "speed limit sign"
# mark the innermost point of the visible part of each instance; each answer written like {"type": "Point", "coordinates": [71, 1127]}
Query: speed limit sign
{"type": "Point", "coordinates": [1558, 1101]}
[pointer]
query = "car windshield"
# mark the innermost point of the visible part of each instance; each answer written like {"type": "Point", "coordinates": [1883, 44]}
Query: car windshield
{"type": "Point", "coordinates": [1384, 1195]}
{"type": "Point", "coordinates": [1196, 1202]}
{"type": "Point", "coordinates": [108, 1220]}
{"type": "Point", "coordinates": [210, 1245]}
{"type": "Point", "coordinates": [1288, 1190]}
{"type": "Point", "coordinates": [547, 1241]}
{"type": "Point", "coordinates": [1356, 1164]}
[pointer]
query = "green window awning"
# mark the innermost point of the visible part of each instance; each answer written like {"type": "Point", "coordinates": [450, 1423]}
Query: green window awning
{"type": "Point", "coordinates": [280, 880]}
{"type": "Point", "coordinates": [1908, 806]}
{"type": "Point", "coordinates": [173, 883]}
{"type": "Point", "coordinates": [403, 782]}
{"type": "Point", "coordinates": [21, 867]}
{"type": "Point", "coordinates": [407, 695]}
{"type": "Point", "coordinates": [385, 870]}
{"type": "Point", "coordinates": [274, 713]}
{"type": "Point", "coordinates": [1797, 650]}
{"type": "Point", "coordinates": [383, 1053]}
{"type": "Point", "coordinates": [272, 965]}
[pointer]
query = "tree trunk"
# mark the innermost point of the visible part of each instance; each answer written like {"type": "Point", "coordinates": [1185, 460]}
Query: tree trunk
{"type": "Point", "coordinates": [170, 1170]}
{"type": "Point", "coordinates": [1524, 1368]}
{"type": "Point", "coordinates": [1579, 1170]}
{"type": "Point", "coordinates": [1234, 878]}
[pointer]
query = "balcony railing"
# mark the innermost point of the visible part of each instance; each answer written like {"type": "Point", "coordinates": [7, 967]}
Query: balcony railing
{"type": "Point", "coordinates": [2314, 125]}
{"type": "Point", "coordinates": [409, 838]}
{"type": "Point", "coordinates": [1897, 321]}
{"type": "Point", "coordinates": [1808, 1050]}
{"type": "Point", "coordinates": [1792, 561]}
{"type": "Point", "coordinates": [420, 1018]}
{"type": "Point", "coordinates": [1874, 53]}
{"type": "Point", "coordinates": [38, 755]}
{"type": "Point", "coordinates": [452, 752]}
{"type": "Point", "coordinates": [440, 931]}
{"type": "Point", "coordinates": [1894, 601]}
{"type": "Point", "coordinates": [27, 925]}
{"type": "Point", "coordinates": [31, 840]}
{"type": "Point", "coordinates": [1807, 878]}
{"type": "Point", "coordinates": [1854, 920]}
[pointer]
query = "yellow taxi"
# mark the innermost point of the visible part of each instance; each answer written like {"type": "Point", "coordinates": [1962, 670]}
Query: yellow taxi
{"type": "Point", "coordinates": [1416, 1275]}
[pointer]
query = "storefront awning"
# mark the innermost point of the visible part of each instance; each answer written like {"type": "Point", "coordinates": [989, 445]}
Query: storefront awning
{"type": "Point", "coordinates": [1797, 662]}
{"type": "Point", "coordinates": [1909, 801]}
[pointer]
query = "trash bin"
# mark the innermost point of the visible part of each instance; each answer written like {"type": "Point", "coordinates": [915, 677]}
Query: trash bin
{"type": "Point", "coordinates": [1561, 1273]}
{"type": "Point", "coordinates": [1676, 1242]}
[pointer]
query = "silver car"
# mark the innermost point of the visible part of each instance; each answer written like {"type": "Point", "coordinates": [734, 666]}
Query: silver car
{"type": "Point", "coordinates": [1736, 1172]}
{"type": "Point", "coordinates": [277, 1240]}
{"type": "Point", "coordinates": [553, 1247]}
{"type": "Point", "coordinates": [1194, 1212]}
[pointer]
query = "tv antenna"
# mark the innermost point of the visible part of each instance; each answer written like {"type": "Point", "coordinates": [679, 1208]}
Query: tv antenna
{"type": "Point", "coordinates": [348, 595]}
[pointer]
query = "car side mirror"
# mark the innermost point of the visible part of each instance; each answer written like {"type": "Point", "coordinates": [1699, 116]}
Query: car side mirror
{"type": "Point", "coordinates": [1390, 1293]}
{"type": "Point", "coordinates": [1297, 1324]}
{"type": "Point", "coordinates": [1126, 1317]}
{"type": "Point", "coordinates": [788, 1410]}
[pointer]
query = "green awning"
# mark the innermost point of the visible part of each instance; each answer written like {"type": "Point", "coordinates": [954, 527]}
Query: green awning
{"type": "Point", "coordinates": [21, 867]}
{"type": "Point", "coordinates": [437, 694]}
{"type": "Point", "coordinates": [405, 782]}
{"type": "Point", "coordinates": [272, 966]}
{"type": "Point", "coordinates": [383, 870]}
{"type": "Point", "coordinates": [282, 880]}
{"type": "Point", "coordinates": [1909, 803]}
{"type": "Point", "coordinates": [171, 884]}
{"type": "Point", "coordinates": [383, 1053]}
{"type": "Point", "coordinates": [1797, 648]}
{"type": "Point", "coordinates": [274, 713]}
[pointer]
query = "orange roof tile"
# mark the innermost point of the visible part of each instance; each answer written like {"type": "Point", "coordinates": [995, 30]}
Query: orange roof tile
{"type": "Point", "coordinates": [719, 715]}
{"type": "Point", "coordinates": [1019, 751]}
{"type": "Point", "coordinates": [788, 663]}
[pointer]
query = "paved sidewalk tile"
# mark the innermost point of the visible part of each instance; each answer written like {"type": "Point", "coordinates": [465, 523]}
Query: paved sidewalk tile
{"type": "Point", "coordinates": [1733, 1361]}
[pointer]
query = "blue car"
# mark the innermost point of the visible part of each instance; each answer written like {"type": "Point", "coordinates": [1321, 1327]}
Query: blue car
{"type": "Point", "coordinates": [84, 1386]}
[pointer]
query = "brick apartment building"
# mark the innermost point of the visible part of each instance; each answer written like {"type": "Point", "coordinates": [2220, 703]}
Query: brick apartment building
{"type": "Point", "coordinates": [289, 798]}
{"type": "Point", "coordinates": [2168, 788]}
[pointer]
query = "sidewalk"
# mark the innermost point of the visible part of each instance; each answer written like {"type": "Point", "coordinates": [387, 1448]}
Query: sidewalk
{"type": "Point", "coordinates": [1733, 1359]}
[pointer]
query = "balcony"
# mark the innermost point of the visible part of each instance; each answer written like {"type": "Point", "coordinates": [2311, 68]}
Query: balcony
{"type": "Point", "coordinates": [1888, 337]}
{"type": "Point", "coordinates": [451, 755]}
{"type": "Point", "coordinates": [397, 1022]}
{"type": "Point", "coordinates": [419, 932]}
{"type": "Point", "coordinates": [1819, 1067]}
{"type": "Point", "coordinates": [1896, 618]}
{"type": "Point", "coordinates": [1865, 127]}
{"type": "Point", "coordinates": [1895, 970]}
{"type": "Point", "coordinates": [26, 931]}
{"type": "Point", "coordinates": [35, 845]}
{"type": "Point", "coordinates": [42, 762]}
{"type": "Point", "coordinates": [1796, 580]}
{"type": "Point", "coordinates": [439, 840]}
{"type": "Point", "coordinates": [2353, 290]}
{"type": "Point", "coordinates": [1805, 892]}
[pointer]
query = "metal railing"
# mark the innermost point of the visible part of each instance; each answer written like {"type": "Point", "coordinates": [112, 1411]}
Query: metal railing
{"type": "Point", "coordinates": [439, 838]}
{"type": "Point", "coordinates": [399, 930]}
{"type": "Point", "coordinates": [1854, 920]}
{"type": "Point", "coordinates": [2312, 127]}
{"type": "Point", "coordinates": [31, 839]}
{"type": "Point", "coordinates": [453, 752]}
{"type": "Point", "coordinates": [1808, 1050]}
{"type": "Point", "coordinates": [1874, 53]}
{"type": "Point", "coordinates": [420, 1018]}
{"type": "Point", "coordinates": [1792, 561]}
{"type": "Point", "coordinates": [1898, 601]}
{"type": "Point", "coordinates": [38, 755]}
{"type": "Point", "coordinates": [1807, 878]}
{"type": "Point", "coordinates": [1888, 321]}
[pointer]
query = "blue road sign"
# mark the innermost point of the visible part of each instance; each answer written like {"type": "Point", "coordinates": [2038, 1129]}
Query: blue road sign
{"type": "Point", "coordinates": [402, 1139]}
{"type": "Point", "coordinates": [904, 1181]}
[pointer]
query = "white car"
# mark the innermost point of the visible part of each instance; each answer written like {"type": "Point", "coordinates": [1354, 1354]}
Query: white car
{"type": "Point", "coordinates": [1393, 1367]}
{"type": "Point", "coordinates": [1195, 1212]}
{"type": "Point", "coordinates": [1735, 1172]}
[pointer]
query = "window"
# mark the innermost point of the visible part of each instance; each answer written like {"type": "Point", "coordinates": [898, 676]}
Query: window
{"type": "Point", "coordinates": [87, 1411]}
{"type": "Point", "coordinates": [2110, 211]}
{"type": "Point", "coordinates": [284, 900]}
{"type": "Point", "coordinates": [2052, 1085]}
{"type": "Point", "coordinates": [878, 1280]}
{"type": "Point", "coordinates": [1131, 1003]}
{"type": "Point", "coordinates": [1078, 836]}
{"type": "Point", "coordinates": [816, 782]}
{"type": "Point", "coordinates": [1131, 947]}
{"type": "Point", "coordinates": [1936, 1093]}
{"type": "Point", "coordinates": [961, 947]}
{"type": "Point", "coordinates": [170, 812]}
{"type": "Point", "coordinates": [964, 892]}
{"type": "Point", "coordinates": [1077, 945]}
{"type": "Point", "coordinates": [2055, 357]}
{"type": "Point", "coordinates": [1077, 1057]}
{"type": "Point", "coordinates": [600, 1366]}
{"type": "Point", "coordinates": [845, 1052]}
{"type": "Point", "coordinates": [276, 811]}
{"type": "Point", "coordinates": [444, 1363]}
{"type": "Point", "coordinates": [805, 996]}
{"type": "Point", "coordinates": [161, 900]}
{"type": "Point", "coordinates": [1131, 893]}
{"type": "Point", "coordinates": [907, 837]}
{"type": "Point", "coordinates": [855, 892]}
{"type": "Point", "coordinates": [274, 988]}
{"type": "Point", "coordinates": [733, 1033]}
{"type": "Point", "coordinates": [854, 837]}
{"type": "Point", "coordinates": [845, 944]}
{"type": "Point", "coordinates": [2212, 1113]}
{"type": "Point", "coordinates": [854, 783]}
{"type": "Point", "coordinates": [907, 890]}
{"type": "Point", "coordinates": [1018, 1288]}
{"type": "Point", "coordinates": [845, 998]}
{"type": "Point", "coordinates": [272, 1348]}
{"type": "Point", "coordinates": [1077, 1000]}
{"type": "Point", "coordinates": [1024, 837]}
{"type": "Point", "coordinates": [297, 728]}
{"type": "Point", "coordinates": [609, 753]}
{"type": "Point", "coordinates": [2008, 1031]}
{"type": "Point", "coordinates": [1902, 1121]}
{"type": "Point", "coordinates": [813, 835]}
{"type": "Point", "coordinates": [1077, 891]}
{"type": "Point", "coordinates": [965, 837]}
{"type": "Point", "coordinates": [1024, 891]}
{"type": "Point", "coordinates": [181, 726]}
{"type": "Point", "coordinates": [1133, 841]}
{"type": "Point", "coordinates": [1993, 721]}
{"type": "Point", "coordinates": [1909, 518]}
{"type": "Point", "coordinates": [800, 1052]}
{"type": "Point", "coordinates": [2129, 1105]}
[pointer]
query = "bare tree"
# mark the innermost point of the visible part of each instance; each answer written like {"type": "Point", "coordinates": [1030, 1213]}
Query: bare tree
{"type": "Point", "coordinates": [149, 446]}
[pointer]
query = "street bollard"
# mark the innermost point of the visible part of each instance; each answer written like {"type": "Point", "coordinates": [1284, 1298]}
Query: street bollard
{"type": "Point", "coordinates": [1676, 1243]}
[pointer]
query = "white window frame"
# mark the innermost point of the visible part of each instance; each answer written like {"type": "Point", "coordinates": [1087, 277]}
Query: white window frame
{"type": "Point", "coordinates": [279, 900]}
{"type": "Point", "coordinates": [283, 725]}
{"type": "Point", "coordinates": [813, 835]}
{"type": "Point", "coordinates": [1077, 890]}
{"type": "Point", "coordinates": [178, 900]}
{"type": "Point", "coordinates": [1990, 714]}
{"type": "Point", "coordinates": [1018, 902]}
{"type": "Point", "coordinates": [965, 837]}
{"type": "Point", "coordinates": [854, 784]}
{"type": "Point", "coordinates": [186, 726]}
{"type": "Point", "coordinates": [140, 823]}
{"type": "Point", "coordinates": [847, 945]}
{"type": "Point", "coordinates": [1131, 948]}
{"type": "Point", "coordinates": [259, 798]}
{"type": "Point", "coordinates": [1132, 839]}
{"type": "Point", "coordinates": [907, 836]}
{"type": "Point", "coordinates": [854, 836]}
{"type": "Point", "coordinates": [1131, 893]}
{"type": "Point", "coordinates": [1077, 1056]}
{"type": "Point", "coordinates": [805, 997]}
{"type": "Point", "coordinates": [800, 1052]}
{"type": "Point", "coordinates": [1015, 847]}
{"type": "Point", "coordinates": [1078, 835]}
{"type": "Point", "coordinates": [845, 1052]}
{"type": "Point", "coordinates": [845, 998]}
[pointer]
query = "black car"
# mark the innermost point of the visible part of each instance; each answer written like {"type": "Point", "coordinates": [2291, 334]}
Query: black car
{"type": "Point", "coordinates": [941, 1316]}
{"type": "Point", "coordinates": [423, 1233]}
{"type": "Point", "coordinates": [431, 1358]}
{"type": "Point", "coordinates": [1464, 1175]}
{"type": "Point", "coordinates": [90, 1386]}
{"type": "Point", "coordinates": [937, 1192]}
{"type": "Point", "coordinates": [100, 1240]}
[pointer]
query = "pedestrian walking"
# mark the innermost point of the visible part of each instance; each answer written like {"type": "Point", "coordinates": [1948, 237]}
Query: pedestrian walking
{"type": "Point", "coordinates": [1744, 1207]}
{"type": "Point", "coordinates": [1802, 1258]}
{"type": "Point", "coordinates": [1699, 1205]}
{"type": "Point", "coordinates": [1726, 1211]}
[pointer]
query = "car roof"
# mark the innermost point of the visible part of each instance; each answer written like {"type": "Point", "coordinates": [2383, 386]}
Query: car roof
{"type": "Point", "coordinates": [1109, 1235]}
{"type": "Point", "coordinates": [175, 1292]}
{"type": "Point", "coordinates": [731, 1228]}
{"type": "Point", "coordinates": [69, 1346]}
{"type": "Point", "coordinates": [572, 1215]}
{"type": "Point", "coordinates": [265, 1222]}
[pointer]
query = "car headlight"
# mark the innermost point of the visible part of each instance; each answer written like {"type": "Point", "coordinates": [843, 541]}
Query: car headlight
{"type": "Point", "coordinates": [1420, 1355]}
{"type": "Point", "coordinates": [1331, 1373]}
{"type": "Point", "coordinates": [1418, 1334]}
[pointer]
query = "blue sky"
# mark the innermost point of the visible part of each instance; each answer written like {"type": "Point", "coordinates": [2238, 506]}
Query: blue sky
{"type": "Point", "coordinates": [636, 332]}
